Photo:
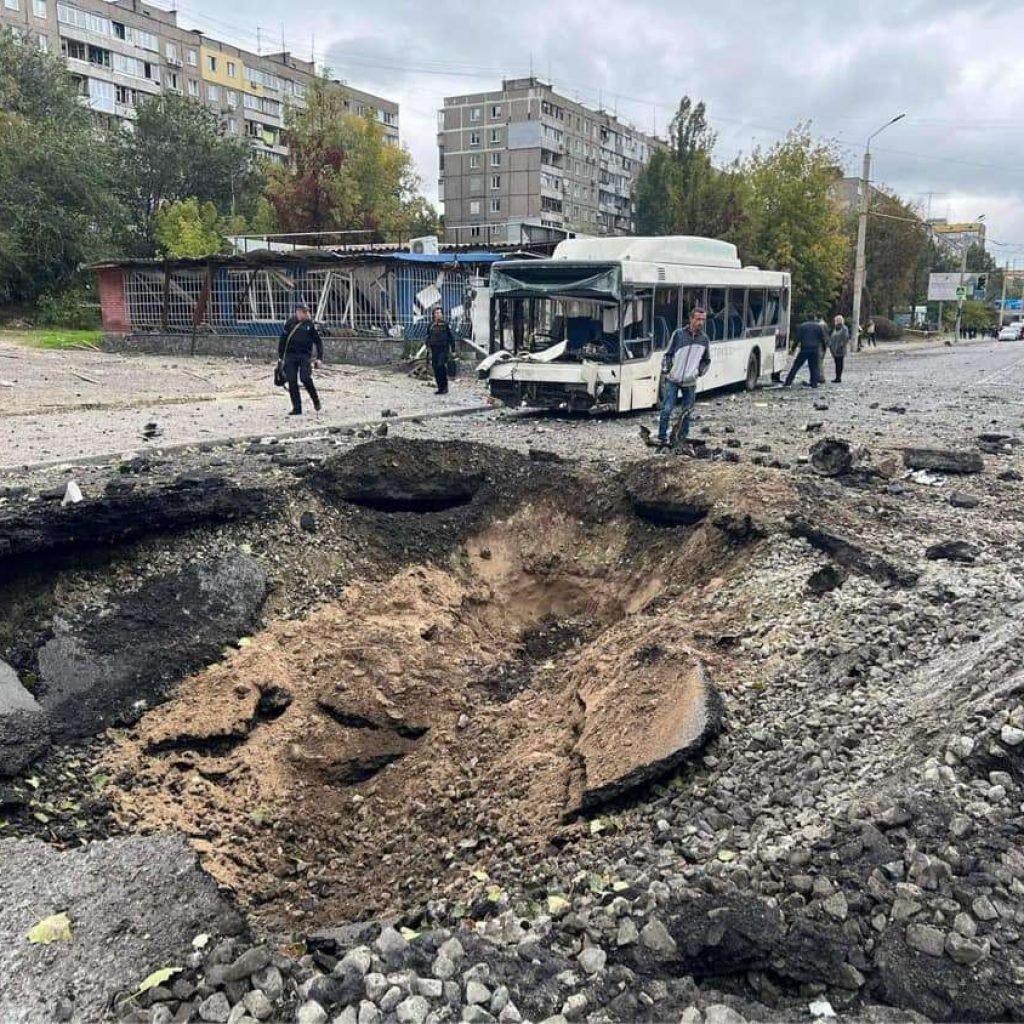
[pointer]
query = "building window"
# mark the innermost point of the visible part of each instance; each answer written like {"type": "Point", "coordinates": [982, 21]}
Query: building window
{"type": "Point", "coordinates": [39, 8]}
{"type": "Point", "coordinates": [172, 52]}
{"type": "Point", "coordinates": [251, 102]}
{"type": "Point", "coordinates": [495, 136]}
{"type": "Point", "coordinates": [495, 206]}
{"type": "Point", "coordinates": [474, 161]}
{"type": "Point", "coordinates": [193, 88]}
{"type": "Point", "coordinates": [232, 127]}
{"type": "Point", "coordinates": [213, 93]}
{"type": "Point", "coordinates": [44, 44]}
{"type": "Point", "coordinates": [495, 159]}
{"type": "Point", "coordinates": [475, 184]}
{"type": "Point", "coordinates": [474, 138]}
{"type": "Point", "coordinates": [474, 206]}
{"type": "Point", "coordinates": [73, 49]}
{"type": "Point", "coordinates": [101, 96]}
{"type": "Point", "coordinates": [173, 84]}
{"type": "Point", "coordinates": [12, 5]}
{"type": "Point", "coordinates": [495, 181]}
{"type": "Point", "coordinates": [474, 112]}
{"type": "Point", "coordinates": [232, 98]}
{"type": "Point", "coordinates": [474, 232]}
{"type": "Point", "coordinates": [193, 58]}
{"type": "Point", "coordinates": [231, 69]}
{"type": "Point", "coordinates": [211, 64]}
{"type": "Point", "coordinates": [496, 110]}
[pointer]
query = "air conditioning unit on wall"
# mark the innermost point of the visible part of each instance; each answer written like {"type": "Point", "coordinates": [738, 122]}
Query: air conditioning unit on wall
{"type": "Point", "coordinates": [425, 246]}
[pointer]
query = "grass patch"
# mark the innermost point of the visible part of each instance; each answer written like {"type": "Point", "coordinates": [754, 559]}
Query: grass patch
{"type": "Point", "coordinates": [54, 337]}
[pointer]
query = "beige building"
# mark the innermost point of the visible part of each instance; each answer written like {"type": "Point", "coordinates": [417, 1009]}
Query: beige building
{"type": "Point", "coordinates": [121, 51]}
{"type": "Point", "coordinates": [525, 159]}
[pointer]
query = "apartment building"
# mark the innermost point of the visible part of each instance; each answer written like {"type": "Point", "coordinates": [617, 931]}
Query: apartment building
{"type": "Point", "coordinates": [121, 51]}
{"type": "Point", "coordinates": [525, 157]}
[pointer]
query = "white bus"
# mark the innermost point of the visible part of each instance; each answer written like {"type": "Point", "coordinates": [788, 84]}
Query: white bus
{"type": "Point", "coordinates": [587, 330]}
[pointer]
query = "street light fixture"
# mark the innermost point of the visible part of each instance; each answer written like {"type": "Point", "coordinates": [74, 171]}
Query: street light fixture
{"type": "Point", "coordinates": [862, 228]}
{"type": "Point", "coordinates": [963, 270]}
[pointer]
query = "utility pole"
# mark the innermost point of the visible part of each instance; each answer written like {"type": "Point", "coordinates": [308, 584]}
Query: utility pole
{"type": "Point", "coordinates": [859, 269]}
{"type": "Point", "coordinates": [1002, 301]}
{"type": "Point", "coordinates": [963, 270]}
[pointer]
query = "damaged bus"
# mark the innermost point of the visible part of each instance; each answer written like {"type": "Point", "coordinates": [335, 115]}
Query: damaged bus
{"type": "Point", "coordinates": [587, 330]}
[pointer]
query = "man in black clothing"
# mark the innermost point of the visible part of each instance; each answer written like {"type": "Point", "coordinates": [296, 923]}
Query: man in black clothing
{"type": "Point", "coordinates": [811, 339]}
{"type": "Point", "coordinates": [295, 348]}
{"type": "Point", "coordinates": [441, 342]}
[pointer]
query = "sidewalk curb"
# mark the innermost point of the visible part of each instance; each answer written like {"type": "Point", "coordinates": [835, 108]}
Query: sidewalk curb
{"type": "Point", "coordinates": [220, 442]}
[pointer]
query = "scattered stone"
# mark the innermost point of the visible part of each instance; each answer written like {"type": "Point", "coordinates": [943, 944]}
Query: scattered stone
{"type": "Point", "coordinates": [1010, 476]}
{"type": "Point", "coordinates": [826, 579]}
{"type": "Point", "coordinates": [311, 1013]}
{"type": "Point", "coordinates": [477, 993]}
{"type": "Point", "coordinates": [413, 1010]}
{"type": "Point", "coordinates": [655, 937]}
{"type": "Point", "coordinates": [952, 551]}
{"type": "Point", "coordinates": [593, 959]}
{"type": "Point", "coordinates": [983, 909]}
{"type": "Point", "coordinates": [958, 499]}
{"type": "Point", "coordinates": [308, 522]}
{"type": "Point", "coordinates": [926, 939]}
{"type": "Point", "coordinates": [934, 460]}
{"type": "Point", "coordinates": [719, 1013]}
{"type": "Point", "coordinates": [628, 933]}
{"type": "Point", "coordinates": [964, 950]}
{"type": "Point", "coordinates": [24, 728]}
{"type": "Point", "coordinates": [250, 962]}
{"type": "Point", "coordinates": [216, 1009]}
{"type": "Point", "coordinates": [391, 943]}
{"type": "Point", "coordinates": [1011, 735]}
{"type": "Point", "coordinates": [258, 1005]}
{"type": "Point", "coordinates": [831, 457]}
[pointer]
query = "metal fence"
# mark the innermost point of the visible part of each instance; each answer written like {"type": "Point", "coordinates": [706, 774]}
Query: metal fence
{"type": "Point", "coordinates": [378, 298]}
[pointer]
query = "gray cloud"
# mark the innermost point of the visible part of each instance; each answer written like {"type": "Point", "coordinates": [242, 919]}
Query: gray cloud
{"type": "Point", "coordinates": [953, 66]}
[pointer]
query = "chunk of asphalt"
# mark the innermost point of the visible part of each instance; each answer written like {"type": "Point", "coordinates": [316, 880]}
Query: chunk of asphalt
{"type": "Point", "coordinates": [24, 728]}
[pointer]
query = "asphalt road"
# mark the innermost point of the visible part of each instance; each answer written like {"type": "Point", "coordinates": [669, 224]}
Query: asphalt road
{"type": "Point", "coordinates": [949, 394]}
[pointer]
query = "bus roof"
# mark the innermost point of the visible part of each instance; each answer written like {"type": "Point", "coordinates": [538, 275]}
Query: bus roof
{"type": "Point", "coordinates": [689, 250]}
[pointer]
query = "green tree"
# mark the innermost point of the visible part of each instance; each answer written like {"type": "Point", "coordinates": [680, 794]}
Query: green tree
{"type": "Point", "coordinates": [178, 151]}
{"type": "Point", "coordinates": [342, 175]}
{"type": "Point", "coordinates": [189, 228]}
{"type": "Point", "coordinates": [795, 225]}
{"type": "Point", "coordinates": [55, 204]}
{"type": "Point", "coordinates": [680, 192]}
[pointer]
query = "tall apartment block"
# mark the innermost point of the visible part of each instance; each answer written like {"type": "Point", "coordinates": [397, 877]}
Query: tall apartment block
{"type": "Point", "coordinates": [121, 51]}
{"type": "Point", "coordinates": [524, 161]}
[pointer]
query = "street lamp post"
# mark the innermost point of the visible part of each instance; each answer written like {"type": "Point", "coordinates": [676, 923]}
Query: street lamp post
{"type": "Point", "coordinates": [862, 230]}
{"type": "Point", "coordinates": [963, 271]}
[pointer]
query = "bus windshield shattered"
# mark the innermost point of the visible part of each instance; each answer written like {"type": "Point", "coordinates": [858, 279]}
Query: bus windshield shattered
{"type": "Point", "coordinates": [563, 329]}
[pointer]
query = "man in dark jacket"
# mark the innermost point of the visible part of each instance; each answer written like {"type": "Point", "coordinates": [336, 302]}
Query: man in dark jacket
{"type": "Point", "coordinates": [811, 339]}
{"type": "Point", "coordinates": [295, 348]}
{"type": "Point", "coordinates": [441, 342]}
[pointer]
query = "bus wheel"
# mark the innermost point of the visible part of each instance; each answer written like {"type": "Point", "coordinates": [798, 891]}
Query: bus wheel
{"type": "Point", "coordinates": [753, 370]}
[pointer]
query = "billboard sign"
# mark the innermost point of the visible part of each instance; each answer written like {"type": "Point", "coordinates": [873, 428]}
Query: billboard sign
{"type": "Point", "coordinates": [943, 287]}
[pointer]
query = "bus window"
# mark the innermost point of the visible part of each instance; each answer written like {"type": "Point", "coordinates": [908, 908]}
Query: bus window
{"type": "Point", "coordinates": [755, 310]}
{"type": "Point", "coordinates": [716, 314]}
{"type": "Point", "coordinates": [692, 297]}
{"type": "Point", "coordinates": [734, 312]}
{"type": "Point", "coordinates": [636, 326]}
{"type": "Point", "coordinates": [771, 308]}
{"type": "Point", "coordinates": [666, 315]}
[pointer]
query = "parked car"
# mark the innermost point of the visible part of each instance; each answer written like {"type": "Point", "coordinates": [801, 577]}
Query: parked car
{"type": "Point", "coordinates": [1012, 332]}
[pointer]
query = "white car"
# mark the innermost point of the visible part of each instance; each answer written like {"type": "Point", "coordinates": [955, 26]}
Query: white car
{"type": "Point", "coordinates": [1011, 332]}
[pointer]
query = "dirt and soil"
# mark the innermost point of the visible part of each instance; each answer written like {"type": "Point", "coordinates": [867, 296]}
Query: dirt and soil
{"type": "Point", "coordinates": [381, 776]}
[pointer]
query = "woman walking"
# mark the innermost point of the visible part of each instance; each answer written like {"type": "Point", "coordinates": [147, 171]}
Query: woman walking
{"type": "Point", "coordinates": [837, 343]}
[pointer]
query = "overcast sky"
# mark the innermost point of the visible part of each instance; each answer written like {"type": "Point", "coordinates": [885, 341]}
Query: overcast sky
{"type": "Point", "coordinates": [955, 67]}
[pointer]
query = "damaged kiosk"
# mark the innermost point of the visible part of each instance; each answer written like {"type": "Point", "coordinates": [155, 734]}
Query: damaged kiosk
{"type": "Point", "coordinates": [587, 330]}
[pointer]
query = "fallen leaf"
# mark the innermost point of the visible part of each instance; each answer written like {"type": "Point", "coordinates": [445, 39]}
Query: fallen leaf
{"type": "Point", "coordinates": [158, 978]}
{"type": "Point", "coordinates": [51, 929]}
{"type": "Point", "coordinates": [408, 934]}
{"type": "Point", "coordinates": [726, 855]}
{"type": "Point", "coordinates": [557, 904]}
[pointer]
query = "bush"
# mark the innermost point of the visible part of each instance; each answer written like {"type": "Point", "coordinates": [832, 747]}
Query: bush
{"type": "Point", "coordinates": [75, 307]}
{"type": "Point", "coordinates": [886, 330]}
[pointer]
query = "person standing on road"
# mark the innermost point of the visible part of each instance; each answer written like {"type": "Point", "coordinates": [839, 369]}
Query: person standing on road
{"type": "Point", "coordinates": [688, 357]}
{"type": "Point", "coordinates": [838, 340]}
{"type": "Point", "coordinates": [441, 342]}
{"type": "Point", "coordinates": [810, 339]}
{"type": "Point", "coordinates": [869, 334]}
{"type": "Point", "coordinates": [295, 348]}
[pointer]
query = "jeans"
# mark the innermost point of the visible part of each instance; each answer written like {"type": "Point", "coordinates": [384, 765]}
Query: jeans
{"type": "Point", "coordinates": [439, 363]}
{"type": "Point", "coordinates": [811, 358]}
{"type": "Point", "coordinates": [298, 368]}
{"type": "Point", "coordinates": [686, 397]}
